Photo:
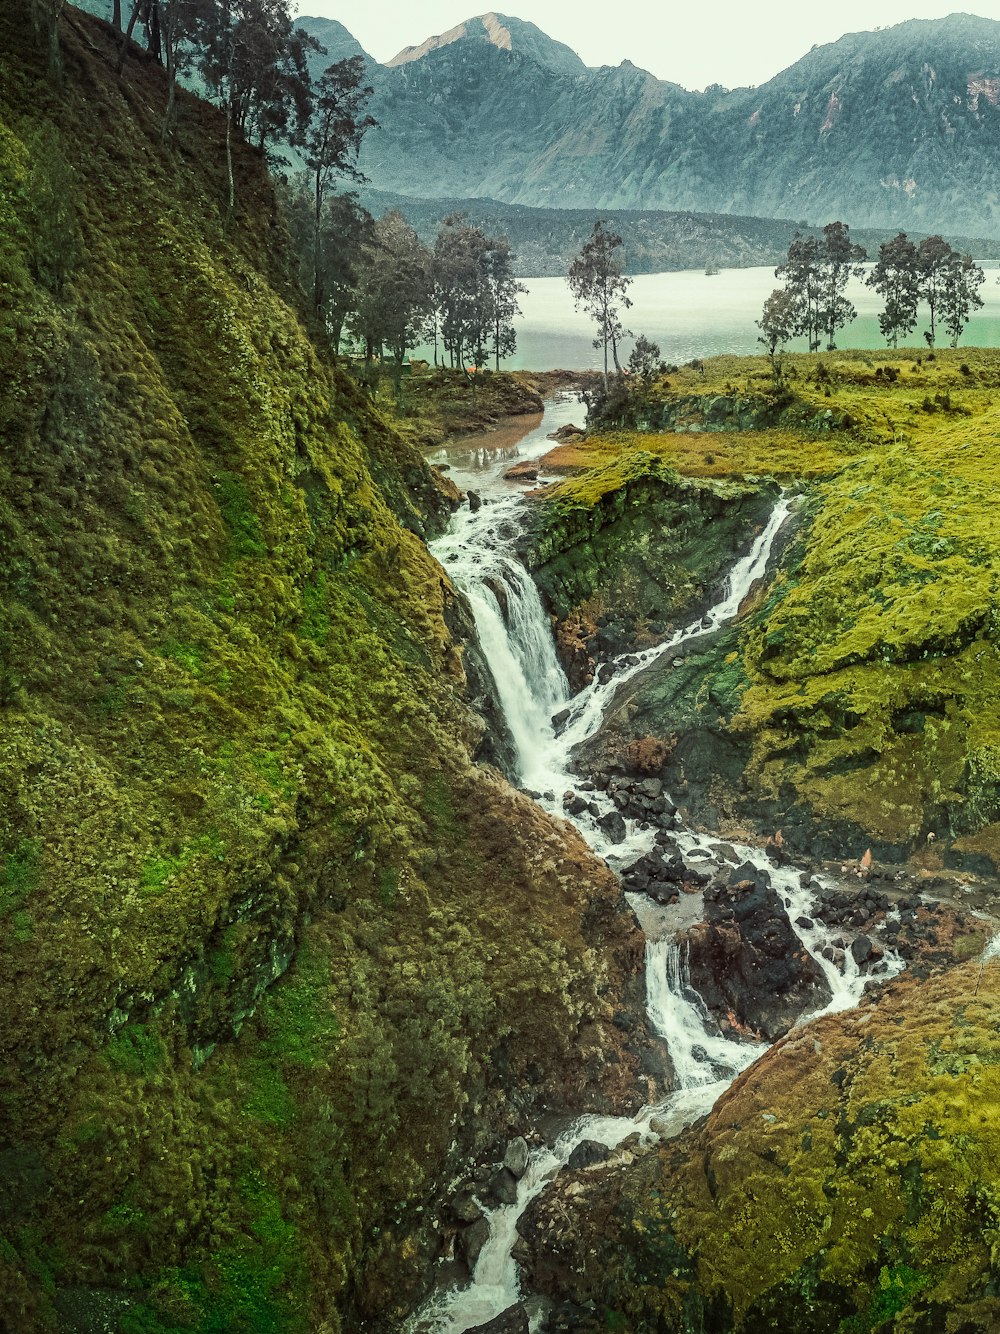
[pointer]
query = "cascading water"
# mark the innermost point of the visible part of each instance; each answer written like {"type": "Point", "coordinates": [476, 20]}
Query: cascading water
{"type": "Point", "coordinates": [516, 638]}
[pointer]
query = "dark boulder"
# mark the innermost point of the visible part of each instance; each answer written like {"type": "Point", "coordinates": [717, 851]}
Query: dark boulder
{"type": "Point", "coordinates": [475, 501]}
{"type": "Point", "coordinates": [472, 1240]}
{"type": "Point", "coordinates": [512, 1321]}
{"type": "Point", "coordinates": [747, 962]}
{"type": "Point", "coordinates": [613, 826]}
{"type": "Point", "coordinates": [587, 1154]}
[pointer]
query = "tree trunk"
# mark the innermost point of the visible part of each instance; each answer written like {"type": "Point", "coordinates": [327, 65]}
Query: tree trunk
{"type": "Point", "coordinates": [169, 114]}
{"type": "Point", "coordinates": [155, 38]}
{"type": "Point", "coordinates": [317, 275]}
{"type": "Point", "coordinates": [230, 179]}
{"type": "Point", "coordinates": [127, 37]}
{"type": "Point", "coordinates": [116, 17]}
{"type": "Point", "coordinates": [614, 354]}
{"type": "Point", "coordinates": [605, 363]}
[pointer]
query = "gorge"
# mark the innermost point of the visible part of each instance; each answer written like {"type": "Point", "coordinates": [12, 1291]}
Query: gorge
{"type": "Point", "coordinates": [379, 833]}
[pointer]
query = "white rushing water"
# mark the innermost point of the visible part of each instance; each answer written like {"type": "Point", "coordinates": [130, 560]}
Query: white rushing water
{"type": "Point", "coordinates": [516, 638]}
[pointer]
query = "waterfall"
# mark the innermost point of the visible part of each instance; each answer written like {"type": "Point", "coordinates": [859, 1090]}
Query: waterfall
{"type": "Point", "coordinates": [516, 639]}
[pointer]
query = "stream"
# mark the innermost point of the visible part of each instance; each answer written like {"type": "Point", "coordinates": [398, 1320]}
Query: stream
{"type": "Point", "coordinates": [478, 552]}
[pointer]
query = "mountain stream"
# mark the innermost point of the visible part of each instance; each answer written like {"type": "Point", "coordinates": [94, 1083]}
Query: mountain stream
{"type": "Point", "coordinates": [478, 552]}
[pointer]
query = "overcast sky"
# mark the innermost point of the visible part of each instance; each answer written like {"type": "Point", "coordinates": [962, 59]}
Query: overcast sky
{"type": "Point", "coordinates": [733, 42]}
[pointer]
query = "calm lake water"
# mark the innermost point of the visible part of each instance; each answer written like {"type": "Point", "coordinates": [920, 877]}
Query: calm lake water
{"type": "Point", "coordinates": [691, 315]}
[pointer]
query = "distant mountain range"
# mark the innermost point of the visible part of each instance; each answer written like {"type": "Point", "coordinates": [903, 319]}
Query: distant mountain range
{"type": "Point", "coordinates": [887, 129]}
{"type": "Point", "coordinates": [898, 128]}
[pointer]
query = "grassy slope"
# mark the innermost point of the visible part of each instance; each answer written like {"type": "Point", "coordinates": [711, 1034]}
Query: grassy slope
{"type": "Point", "coordinates": [232, 751]}
{"type": "Point", "coordinates": [873, 663]}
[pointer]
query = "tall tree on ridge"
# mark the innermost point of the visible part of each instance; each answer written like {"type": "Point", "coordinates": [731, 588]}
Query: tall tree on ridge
{"type": "Point", "coordinates": [599, 286]}
{"type": "Point", "coordinates": [840, 260]}
{"type": "Point", "coordinates": [960, 294]}
{"type": "Point", "coordinates": [502, 290]}
{"type": "Point", "coordinates": [338, 125]}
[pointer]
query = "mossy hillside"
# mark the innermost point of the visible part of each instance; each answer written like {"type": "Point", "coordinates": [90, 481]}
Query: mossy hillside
{"type": "Point", "coordinates": [254, 989]}
{"type": "Point", "coordinates": [848, 1181]}
{"type": "Point", "coordinates": [871, 664]}
{"type": "Point", "coordinates": [633, 535]}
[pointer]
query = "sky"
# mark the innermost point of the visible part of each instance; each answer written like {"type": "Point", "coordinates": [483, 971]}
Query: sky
{"type": "Point", "coordinates": [732, 42]}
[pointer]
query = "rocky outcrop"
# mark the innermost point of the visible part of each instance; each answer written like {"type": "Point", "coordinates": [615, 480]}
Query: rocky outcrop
{"type": "Point", "coordinates": [746, 961]}
{"type": "Point", "coordinates": [859, 1147]}
{"type": "Point", "coordinates": [629, 550]}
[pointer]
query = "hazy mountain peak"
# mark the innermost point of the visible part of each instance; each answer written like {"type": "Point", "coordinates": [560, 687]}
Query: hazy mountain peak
{"type": "Point", "coordinates": [340, 44]}
{"type": "Point", "coordinates": [509, 34]}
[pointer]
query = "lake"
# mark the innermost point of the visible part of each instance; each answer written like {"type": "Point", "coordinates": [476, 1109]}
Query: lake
{"type": "Point", "coordinates": [692, 315]}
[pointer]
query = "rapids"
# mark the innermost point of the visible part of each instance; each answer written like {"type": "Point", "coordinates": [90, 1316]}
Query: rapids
{"type": "Point", "coordinates": [478, 551]}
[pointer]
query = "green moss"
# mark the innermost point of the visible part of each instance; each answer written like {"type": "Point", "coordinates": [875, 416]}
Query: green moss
{"type": "Point", "coordinates": [136, 1050]}
{"type": "Point", "coordinates": [19, 875]}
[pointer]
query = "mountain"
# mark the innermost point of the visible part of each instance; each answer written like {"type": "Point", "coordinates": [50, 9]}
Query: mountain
{"type": "Point", "coordinates": [507, 34]}
{"type": "Point", "coordinates": [895, 128]}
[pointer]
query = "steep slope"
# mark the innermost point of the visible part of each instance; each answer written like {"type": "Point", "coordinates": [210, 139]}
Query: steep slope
{"type": "Point", "coordinates": [890, 128]}
{"type": "Point", "coordinates": [273, 953]}
{"type": "Point", "coordinates": [859, 703]}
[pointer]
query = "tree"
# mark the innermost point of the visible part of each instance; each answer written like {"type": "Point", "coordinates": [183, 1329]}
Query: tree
{"type": "Point", "coordinates": [645, 362]}
{"type": "Point", "coordinates": [462, 295]}
{"type": "Point", "coordinates": [934, 256]}
{"type": "Point", "coordinates": [502, 291]}
{"type": "Point", "coordinates": [254, 62]}
{"type": "Point", "coordinates": [337, 126]}
{"type": "Point", "coordinates": [801, 272]}
{"type": "Point", "coordinates": [778, 325]}
{"type": "Point", "coordinates": [598, 285]}
{"type": "Point", "coordinates": [395, 292]}
{"type": "Point", "coordinates": [46, 16]}
{"type": "Point", "coordinates": [345, 229]}
{"type": "Point", "coordinates": [896, 279]}
{"type": "Point", "coordinates": [840, 260]}
{"type": "Point", "coordinates": [960, 294]}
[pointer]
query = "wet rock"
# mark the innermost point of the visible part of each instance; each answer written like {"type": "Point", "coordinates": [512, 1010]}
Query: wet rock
{"type": "Point", "coordinates": [465, 1208]}
{"type": "Point", "coordinates": [512, 1321]}
{"type": "Point", "coordinates": [613, 826]}
{"type": "Point", "coordinates": [516, 1158]}
{"type": "Point", "coordinates": [861, 950]}
{"type": "Point", "coordinates": [475, 501]}
{"type": "Point", "coordinates": [806, 923]}
{"type": "Point", "coordinates": [527, 471]}
{"type": "Point", "coordinates": [746, 960]}
{"type": "Point", "coordinates": [747, 873]}
{"type": "Point", "coordinates": [472, 1240]}
{"type": "Point", "coordinates": [588, 1153]}
{"type": "Point", "coordinates": [605, 672]}
{"type": "Point", "coordinates": [503, 1187]}
{"type": "Point", "coordinates": [574, 804]}
{"type": "Point", "coordinates": [559, 720]}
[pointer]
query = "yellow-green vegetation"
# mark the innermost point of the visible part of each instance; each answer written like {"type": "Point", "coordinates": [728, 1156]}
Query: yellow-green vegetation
{"type": "Point", "coordinates": [872, 665]}
{"type": "Point", "coordinates": [269, 944]}
{"type": "Point", "coordinates": [439, 403]}
{"type": "Point", "coordinates": [849, 1182]}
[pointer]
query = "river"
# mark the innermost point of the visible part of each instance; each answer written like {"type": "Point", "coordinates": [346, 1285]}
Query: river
{"type": "Point", "coordinates": [478, 551]}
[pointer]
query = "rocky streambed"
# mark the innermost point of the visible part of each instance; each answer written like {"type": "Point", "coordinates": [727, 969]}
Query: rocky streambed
{"type": "Point", "coordinates": [743, 943]}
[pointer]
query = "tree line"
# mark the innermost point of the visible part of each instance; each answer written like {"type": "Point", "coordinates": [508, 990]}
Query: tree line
{"type": "Point", "coordinates": [813, 303]}
{"type": "Point", "coordinates": [372, 281]}
{"type": "Point", "coordinates": [377, 285]}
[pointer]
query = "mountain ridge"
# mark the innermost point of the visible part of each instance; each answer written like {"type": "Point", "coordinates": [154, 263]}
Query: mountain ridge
{"type": "Point", "coordinates": [894, 128]}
